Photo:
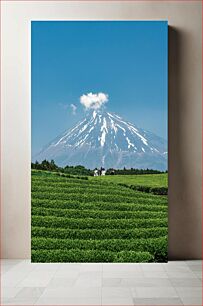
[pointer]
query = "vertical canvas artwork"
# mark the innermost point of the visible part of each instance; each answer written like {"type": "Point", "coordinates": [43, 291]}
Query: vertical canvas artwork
{"type": "Point", "coordinates": [99, 141]}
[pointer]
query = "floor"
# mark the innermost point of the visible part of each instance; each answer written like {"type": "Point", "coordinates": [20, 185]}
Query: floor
{"type": "Point", "coordinates": [174, 283]}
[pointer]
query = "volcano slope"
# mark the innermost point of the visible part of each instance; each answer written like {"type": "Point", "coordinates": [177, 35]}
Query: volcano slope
{"type": "Point", "coordinates": [83, 220]}
{"type": "Point", "coordinates": [105, 139]}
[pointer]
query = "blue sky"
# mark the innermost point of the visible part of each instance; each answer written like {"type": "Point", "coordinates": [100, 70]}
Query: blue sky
{"type": "Point", "coordinates": [125, 59]}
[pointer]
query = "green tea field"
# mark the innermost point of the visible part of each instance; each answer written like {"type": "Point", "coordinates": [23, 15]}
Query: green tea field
{"type": "Point", "coordinates": [87, 219]}
{"type": "Point", "coordinates": [149, 180]}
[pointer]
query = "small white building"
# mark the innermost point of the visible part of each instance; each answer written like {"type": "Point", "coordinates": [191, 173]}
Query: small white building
{"type": "Point", "coordinates": [103, 172]}
{"type": "Point", "coordinates": [96, 173]}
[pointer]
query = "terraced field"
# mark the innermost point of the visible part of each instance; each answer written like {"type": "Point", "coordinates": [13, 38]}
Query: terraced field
{"type": "Point", "coordinates": [149, 180]}
{"type": "Point", "coordinates": [90, 220]}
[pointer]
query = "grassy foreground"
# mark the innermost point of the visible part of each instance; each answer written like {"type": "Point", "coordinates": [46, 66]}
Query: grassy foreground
{"type": "Point", "coordinates": [149, 180]}
{"type": "Point", "coordinates": [97, 220]}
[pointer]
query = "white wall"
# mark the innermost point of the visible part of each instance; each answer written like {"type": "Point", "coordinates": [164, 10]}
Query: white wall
{"type": "Point", "coordinates": [184, 112]}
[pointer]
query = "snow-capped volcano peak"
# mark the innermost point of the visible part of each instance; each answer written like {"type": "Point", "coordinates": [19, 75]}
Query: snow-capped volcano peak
{"type": "Point", "coordinates": [109, 140]}
{"type": "Point", "coordinates": [104, 129]}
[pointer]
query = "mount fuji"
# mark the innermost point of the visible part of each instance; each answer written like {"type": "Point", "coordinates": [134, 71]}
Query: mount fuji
{"type": "Point", "coordinates": [105, 139]}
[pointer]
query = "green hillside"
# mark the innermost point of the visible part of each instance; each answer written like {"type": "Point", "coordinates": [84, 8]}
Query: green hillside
{"type": "Point", "coordinates": [149, 180]}
{"type": "Point", "coordinates": [96, 220]}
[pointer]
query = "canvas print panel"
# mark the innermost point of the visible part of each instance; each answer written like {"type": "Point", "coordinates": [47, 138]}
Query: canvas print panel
{"type": "Point", "coordinates": [99, 141]}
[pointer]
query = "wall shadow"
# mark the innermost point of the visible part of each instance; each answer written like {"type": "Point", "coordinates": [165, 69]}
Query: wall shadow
{"type": "Point", "coordinates": [184, 232]}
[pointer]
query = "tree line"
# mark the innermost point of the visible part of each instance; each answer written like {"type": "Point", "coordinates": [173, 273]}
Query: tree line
{"type": "Point", "coordinates": [51, 166]}
{"type": "Point", "coordinates": [81, 170]}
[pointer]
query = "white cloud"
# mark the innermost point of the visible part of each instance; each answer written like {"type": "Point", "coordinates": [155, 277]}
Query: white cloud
{"type": "Point", "coordinates": [94, 101]}
{"type": "Point", "coordinates": [74, 108]}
